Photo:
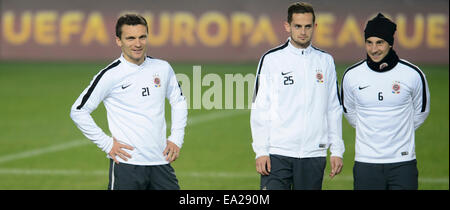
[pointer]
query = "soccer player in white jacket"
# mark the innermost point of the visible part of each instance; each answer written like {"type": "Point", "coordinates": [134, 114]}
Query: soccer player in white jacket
{"type": "Point", "coordinates": [386, 99]}
{"type": "Point", "coordinates": [133, 89]}
{"type": "Point", "coordinates": [296, 113]}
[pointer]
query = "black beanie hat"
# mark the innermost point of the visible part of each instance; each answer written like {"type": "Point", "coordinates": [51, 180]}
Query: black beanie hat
{"type": "Point", "coordinates": [381, 27]}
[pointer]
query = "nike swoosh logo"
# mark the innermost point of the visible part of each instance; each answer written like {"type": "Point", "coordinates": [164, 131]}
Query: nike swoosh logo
{"type": "Point", "coordinates": [123, 87]}
{"type": "Point", "coordinates": [360, 88]}
{"type": "Point", "coordinates": [283, 73]}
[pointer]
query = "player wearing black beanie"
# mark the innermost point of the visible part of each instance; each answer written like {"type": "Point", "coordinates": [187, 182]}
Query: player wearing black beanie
{"type": "Point", "coordinates": [386, 99]}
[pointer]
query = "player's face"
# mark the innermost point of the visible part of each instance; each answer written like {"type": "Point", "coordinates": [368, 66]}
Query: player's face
{"type": "Point", "coordinates": [133, 43]}
{"type": "Point", "coordinates": [301, 29]}
{"type": "Point", "coordinates": [377, 48]}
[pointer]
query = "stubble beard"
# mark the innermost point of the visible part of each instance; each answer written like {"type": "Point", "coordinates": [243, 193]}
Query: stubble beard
{"type": "Point", "coordinates": [300, 44]}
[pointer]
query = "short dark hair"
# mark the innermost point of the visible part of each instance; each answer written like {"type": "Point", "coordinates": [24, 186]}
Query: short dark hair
{"type": "Point", "coordinates": [300, 7]}
{"type": "Point", "coordinates": [129, 19]}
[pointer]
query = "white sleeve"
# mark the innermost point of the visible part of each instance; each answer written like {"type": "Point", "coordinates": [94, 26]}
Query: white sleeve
{"type": "Point", "coordinates": [421, 101]}
{"type": "Point", "coordinates": [259, 115]}
{"type": "Point", "coordinates": [334, 115]}
{"type": "Point", "coordinates": [178, 109]}
{"type": "Point", "coordinates": [348, 102]}
{"type": "Point", "coordinates": [87, 102]}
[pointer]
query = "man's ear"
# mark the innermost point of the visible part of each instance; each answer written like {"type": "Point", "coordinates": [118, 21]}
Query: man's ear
{"type": "Point", "coordinates": [287, 27]}
{"type": "Point", "coordinates": [118, 42]}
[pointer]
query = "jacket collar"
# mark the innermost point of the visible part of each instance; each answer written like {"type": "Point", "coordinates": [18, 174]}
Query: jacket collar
{"type": "Point", "coordinates": [122, 59]}
{"type": "Point", "coordinates": [299, 51]}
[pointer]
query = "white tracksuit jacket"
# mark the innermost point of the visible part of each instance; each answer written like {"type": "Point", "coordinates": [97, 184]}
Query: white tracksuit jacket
{"type": "Point", "coordinates": [296, 110]}
{"type": "Point", "coordinates": [385, 108]}
{"type": "Point", "coordinates": [134, 97]}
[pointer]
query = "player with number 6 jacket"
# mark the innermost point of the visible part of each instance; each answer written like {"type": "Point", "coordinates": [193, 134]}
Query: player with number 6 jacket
{"type": "Point", "coordinates": [385, 107]}
{"type": "Point", "coordinates": [385, 98]}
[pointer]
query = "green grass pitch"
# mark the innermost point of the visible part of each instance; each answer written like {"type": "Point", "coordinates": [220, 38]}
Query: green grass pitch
{"type": "Point", "coordinates": [40, 147]}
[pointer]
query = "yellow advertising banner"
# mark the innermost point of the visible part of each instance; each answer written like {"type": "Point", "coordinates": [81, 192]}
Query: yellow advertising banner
{"type": "Point", "coordinates": [214, 30]}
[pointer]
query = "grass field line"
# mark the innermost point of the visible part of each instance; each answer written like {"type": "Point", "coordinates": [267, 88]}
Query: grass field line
{"type": "Point", "coordinates": [41, 151]}
{"type": "Point", "coordinates": [81, 142]}
{"type": "Point", "coordinates": [214, 116]}
{"type": "Point", "coordinates": [233, 175]}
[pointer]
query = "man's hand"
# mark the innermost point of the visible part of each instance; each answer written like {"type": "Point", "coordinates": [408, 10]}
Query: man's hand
{"type": "Point", "coordinates": [263, 165]}
{"type": "Point", "coordinates": [172, 151]}
{"type": "Point", "coordinates": [336, 165]}
{"type": "Point", "coordinates": [117, 151]}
